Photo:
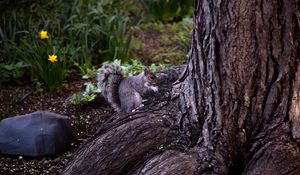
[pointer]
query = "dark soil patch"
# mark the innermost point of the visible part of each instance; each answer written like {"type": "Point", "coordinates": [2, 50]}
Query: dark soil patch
{"type": "Point", "coordinates": [84, 122]}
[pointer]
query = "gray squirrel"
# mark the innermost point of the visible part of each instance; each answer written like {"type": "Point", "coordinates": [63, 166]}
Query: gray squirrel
{"type": "Point", "coordinates": [125, 94]}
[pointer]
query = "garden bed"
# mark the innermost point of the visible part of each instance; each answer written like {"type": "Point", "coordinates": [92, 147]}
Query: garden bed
{"type": "Point", "coordinates": [85, 122]}
{"type": "Point", "coordinates": [77, 48]}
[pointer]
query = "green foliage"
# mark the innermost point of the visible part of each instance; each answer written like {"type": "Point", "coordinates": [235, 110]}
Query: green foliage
{"type": "Point", "coordinates": [179, 33]}
{"type": "Point", "coordinates": [115, 42]}
{"type": "Point", "coordinates": [159, 67]}
{"type": "Point", "coordinates": [83, 33]}
{"type": "Point", "coordinates": [28, 14]}
{"type": "Point", "coordinates": [129, 8]}
{"type": "Point", "coordinates": [85, 97]}
{"type": "Point", "coordinates": [11, 71]}
{"type": "Point", "coordinates": [131, 68]}
{"type": "Point", "coordinates": [36, 52]}
{"type": "Point", "coordinates": [98, 33]}
{"type": "Point", "coordinates": [19, 26]}
{"type": "Point", "coordinates": [183, 35]}
{"type": "Point", "coordinates": [135, 67]}
{"type": "Point", "coordinates": [166, 10]}
{"type": "Point", "coordinates": [88, 72]}
{"type": "Point", "coordinates": [9, 38]}
{"type": "Point", "coordinates": [173, 40]}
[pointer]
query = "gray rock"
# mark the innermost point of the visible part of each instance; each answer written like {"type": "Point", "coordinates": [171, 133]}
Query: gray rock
{"type": "Point", "coordinates": [35, 134]}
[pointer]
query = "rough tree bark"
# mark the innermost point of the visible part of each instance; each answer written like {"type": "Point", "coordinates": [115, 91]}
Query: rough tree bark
{"type": "Point", "coordinates": [234, 110]}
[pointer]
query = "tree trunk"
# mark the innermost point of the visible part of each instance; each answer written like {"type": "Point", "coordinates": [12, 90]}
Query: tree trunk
{"type": "Point", "coordinates": [234, 110]}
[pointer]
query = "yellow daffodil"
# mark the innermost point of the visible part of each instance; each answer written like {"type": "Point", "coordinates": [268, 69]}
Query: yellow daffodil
{"type": "Point", "coordinates": [43, 34]}
{"type": "Point", "coordinates": [52, 58]}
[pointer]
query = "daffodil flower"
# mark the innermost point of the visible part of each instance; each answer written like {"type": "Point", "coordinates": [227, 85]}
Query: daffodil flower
{"type": "Point", "coordinates": [43, 34]}
{"type": "Point", "coordinates": [52, 58]}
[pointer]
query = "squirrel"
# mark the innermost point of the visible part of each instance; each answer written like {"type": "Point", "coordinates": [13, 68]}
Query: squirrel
{"type": "Point", "coordinates": [125, 94]}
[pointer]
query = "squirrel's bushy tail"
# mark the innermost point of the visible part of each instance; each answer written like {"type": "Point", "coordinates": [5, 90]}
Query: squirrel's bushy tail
{"type": "Point", "coordinates": [109, 78]}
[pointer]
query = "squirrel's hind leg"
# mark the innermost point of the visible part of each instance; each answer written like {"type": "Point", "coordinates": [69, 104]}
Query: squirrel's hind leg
{"type": "Point", "coordinates": [130, 102]}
